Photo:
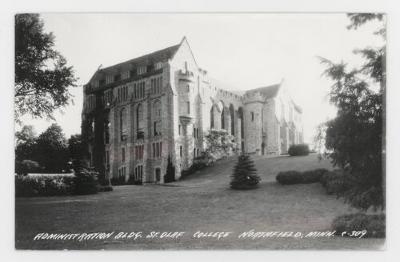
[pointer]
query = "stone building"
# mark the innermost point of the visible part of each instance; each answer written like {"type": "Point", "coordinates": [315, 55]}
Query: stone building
{"type": "Point", "coordinates": [140, 114]}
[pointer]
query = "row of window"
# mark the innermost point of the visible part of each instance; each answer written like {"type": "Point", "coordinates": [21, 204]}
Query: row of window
{"type": "Point", "coordinates": [122, 94]}
{"type": "Point", "coordinates": [134, 72]}
{"type": "Point", "coordinates": [156, 85]}
{"type": "Point", "coordinates": [122, 173]}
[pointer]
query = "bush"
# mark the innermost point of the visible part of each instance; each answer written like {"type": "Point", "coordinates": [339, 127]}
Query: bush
{"type": "Point", "coordinates": [299, 150]}
{"type": "Point", "coordinates": [289, 177]}
{"type": "Point", "coordinates": [26, 166]}
{"type": "Point", "coordinates": [374, 224]}
{"type": "Point", "coordinates": [199, 163]}
{"type": "Point", "coordinates": [44, 185]}
{"type": "Point", "coordinates": [86, 181]}
{"type": "Point", "coordinates": [295, 177]}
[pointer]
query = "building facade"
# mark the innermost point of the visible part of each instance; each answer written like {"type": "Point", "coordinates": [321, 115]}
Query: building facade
{"type": "Point", "coordinates": [143, 113]}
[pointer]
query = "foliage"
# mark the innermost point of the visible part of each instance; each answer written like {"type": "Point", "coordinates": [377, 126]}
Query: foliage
{"type": "Point", "coordinates": [198, 164]}
{"type": "Point", "coordinates": [76, 147]}
{"type": "Point", "coordinates": [295, 177]}
{"type": "Point", "coordinates": [25, 167]}
{"type": "Point", "coordinates": [52, 151]}
{"type": "Point", "coordinates": [374, 224]}
{"type": "Point", "coordinates": [86, 181]}
{"type": "Point", "coordinates": [354, 139]}
{"type": "Point", "coordinates": [336, 182]}
{"type": "Point", "coordinates": [44, 185]}
{"type": "Point", "coordinates": [219, 144]}
{"type": "Point", "coordinates": [299, 150]}
{"type": "Point", "coordinates": [42, 76]}
{"type": "Point", "coordinates": [25, 147]}
{"type": "Point", "coordinates": [244, 174]}
{"type": "Point", "coordinates": [170, 174]}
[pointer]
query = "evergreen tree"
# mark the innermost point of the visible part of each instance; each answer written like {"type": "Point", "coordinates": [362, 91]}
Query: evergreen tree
{"type": "Point", "coordinates": [244, 174]}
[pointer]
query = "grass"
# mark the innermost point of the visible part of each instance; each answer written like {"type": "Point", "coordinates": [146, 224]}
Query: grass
{"type": "Point", "coordinates": [201, 202]}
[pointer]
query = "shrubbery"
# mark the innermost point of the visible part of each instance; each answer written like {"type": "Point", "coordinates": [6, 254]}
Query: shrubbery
{"type": "Point", "coordinates": [299, 150]}
{"type": "Point", "coordinates": [374, 224]}
{"type": "Point", "coordinates": [44, 185]}
{"type": "Point", "coordinates": [25, 167]}
{"type": "Point", "coordinates": [295, 177]}
{"type": "Point", "coordinates": [86, 182]}
{"type": "Point", "coordinates": [335, 182]}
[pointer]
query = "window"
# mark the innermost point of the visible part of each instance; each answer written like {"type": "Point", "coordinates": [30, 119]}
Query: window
{"type": "Point", "coordinates": [108, 97]}
{"type": "Point", "coordinates": [139, 151]}
{"type": "Point", "coordinates": [139, 173]}
{"type": "Point", "coordinates": [157, 128]}
{"type": "Point", "coordinates": [252, 116]}
{"type": "Point", "coordinates": [212, 117]}
{"type": "Point", "coordinates": [157, 149]}
{"type": "Point", "coordinates": [122, 124]}
{"type": "Point", "coordinates": [139, 121]}
{"type": "Point", "coordinates": [107, 130]}
{"type": "Point", "coordinates": [158, 174]}
{"type": "Point", "coordinates": [109, 79]}
{"type": "Point", "coordinates": [107, 160]}
{"type": "Point", "coordinates": [156, 85]}
{"type": "Point", "coordinates": [157, 109]}
{"type": "Point", "coordinates": [180, 151]}
{"type": "Point", "coordinates": [132, 73]}
{"type": "Point", "coordinates": [141, 70]}
{"type": "Point", "coordinates": [139, 89]}
{"type": "Point", "coordinates": [179, 129]}
{"type": "Point", "coordinates": [188, 107]}
{"type": "Point", "coordinates": [123, 155]}
{"type": "Point", "coordinates": [158, 65]}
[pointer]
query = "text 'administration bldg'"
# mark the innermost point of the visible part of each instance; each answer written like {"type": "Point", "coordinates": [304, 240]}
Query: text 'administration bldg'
{"type": "Point", "coordinates": [140, 113]}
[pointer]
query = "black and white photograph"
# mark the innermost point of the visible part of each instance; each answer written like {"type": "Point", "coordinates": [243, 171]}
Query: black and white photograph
{"type": "Point", "coordinates": [200, 131]}
{"type": "Point", "coordinates": [179, 132]}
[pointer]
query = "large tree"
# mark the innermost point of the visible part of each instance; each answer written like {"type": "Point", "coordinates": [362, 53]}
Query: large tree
{"type": "Point", "coordinates": [42, 77]}
{"type": "Point", "coordinates": [354, 138]}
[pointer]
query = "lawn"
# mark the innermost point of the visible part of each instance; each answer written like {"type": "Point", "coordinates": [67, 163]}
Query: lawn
{"type": "Point", "coordinates": [202, 202]}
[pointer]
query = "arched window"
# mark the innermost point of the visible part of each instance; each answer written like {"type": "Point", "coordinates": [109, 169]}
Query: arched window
{"type": "Point", "coordinates": [139, 115]}
{"type": "Point", "coordinates": [157, 118]}
{"type": "Point", "coordinates": [122, 124]}
{"type": "Point", "coordinates": [157, 109]}
{"type": "Point", "coordinates": [232, 115]}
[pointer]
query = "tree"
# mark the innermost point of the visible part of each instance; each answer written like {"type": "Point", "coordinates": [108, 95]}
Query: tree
{"type": "Point", "coordinates": [25, 144]}
{"type": "Point", "coordinates": [244, 174]}
{"type": "Point", "coordinates": [354, 139]}
{"type": "Point", "coordinates": [42, 77]}
{"type": "Point", "coordinates": [52, 150]}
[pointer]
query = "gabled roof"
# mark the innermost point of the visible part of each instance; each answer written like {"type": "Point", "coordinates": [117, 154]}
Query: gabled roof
{"type": "Point", "coordinates": [268, 91]}
{"type": "Point", "coordinates": [156, 56]}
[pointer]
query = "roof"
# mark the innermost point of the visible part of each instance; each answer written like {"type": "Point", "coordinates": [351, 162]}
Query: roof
{"type": "Point", "coordinates": [268, 91]}
{"type": "Point", "coordinates": [156, 56]}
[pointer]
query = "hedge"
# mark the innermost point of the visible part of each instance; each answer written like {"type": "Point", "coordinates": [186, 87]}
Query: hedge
{"type": "Point", "coordinates": [295, 177]}
{"type": "Point", "coordinates": [299, 150]}
{"type": "Point", "coordinates": [44, 185]}
{"type": "Point", "coordinates": [374, 224]}
{"type": "Point", "coordinates": [82, 182]}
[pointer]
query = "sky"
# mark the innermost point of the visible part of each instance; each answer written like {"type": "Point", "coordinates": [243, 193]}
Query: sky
{"type": "Point", "coordinates": [246, 50]}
